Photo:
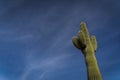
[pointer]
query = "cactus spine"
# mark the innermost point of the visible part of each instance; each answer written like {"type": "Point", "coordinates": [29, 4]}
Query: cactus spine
{"type": "Point", "coordinates": [88, 45]}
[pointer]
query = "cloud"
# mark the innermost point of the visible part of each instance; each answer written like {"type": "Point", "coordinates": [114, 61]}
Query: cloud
{"type": "Point", "coordinates": [3, 77]}
{"type": "Point", "coordinates": [6, 5]}
{"type": "Point", "coordinates": [44, 66]}
{"type": "Point", "coordinates": [17, 36]}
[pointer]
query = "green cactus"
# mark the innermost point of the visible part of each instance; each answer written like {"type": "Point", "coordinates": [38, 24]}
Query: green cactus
{"type": "Point", "coordinates": [88, 45]}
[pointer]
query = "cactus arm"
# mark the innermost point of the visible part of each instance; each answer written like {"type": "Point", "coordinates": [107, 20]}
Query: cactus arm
{"type": "Point", "coordinates": [81, 37]}
{"type": "Point", "coordinates": [84, 29]}
{"type": "Point", "coordinates": [94, 42]}
{"type": "Point", "coordinates": [77, 43]}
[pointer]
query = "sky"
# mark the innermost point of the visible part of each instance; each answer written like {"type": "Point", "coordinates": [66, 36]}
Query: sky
{"type": "Point", "coordinates": [36, 38]}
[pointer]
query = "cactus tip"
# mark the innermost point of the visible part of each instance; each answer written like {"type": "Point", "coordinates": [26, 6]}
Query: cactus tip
{"type": "Point", "coordinates": [82, 23]}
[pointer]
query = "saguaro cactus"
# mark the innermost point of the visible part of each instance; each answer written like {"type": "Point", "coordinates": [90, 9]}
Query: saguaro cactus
{"type": "Point", "coordinates": [88, 45]}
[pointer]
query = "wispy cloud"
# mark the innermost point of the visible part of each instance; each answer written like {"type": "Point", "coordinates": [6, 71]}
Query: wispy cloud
{"type": "Point", "coordinates": [17, 36]}
{"type": "Point", "coordinates": [44, 66]}
{"type": "Point", "coordinates": [3, 77]}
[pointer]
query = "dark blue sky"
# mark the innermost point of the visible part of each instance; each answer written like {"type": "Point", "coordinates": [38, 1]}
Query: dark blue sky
{"type": "Point", "coordinates": [35, 38]}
